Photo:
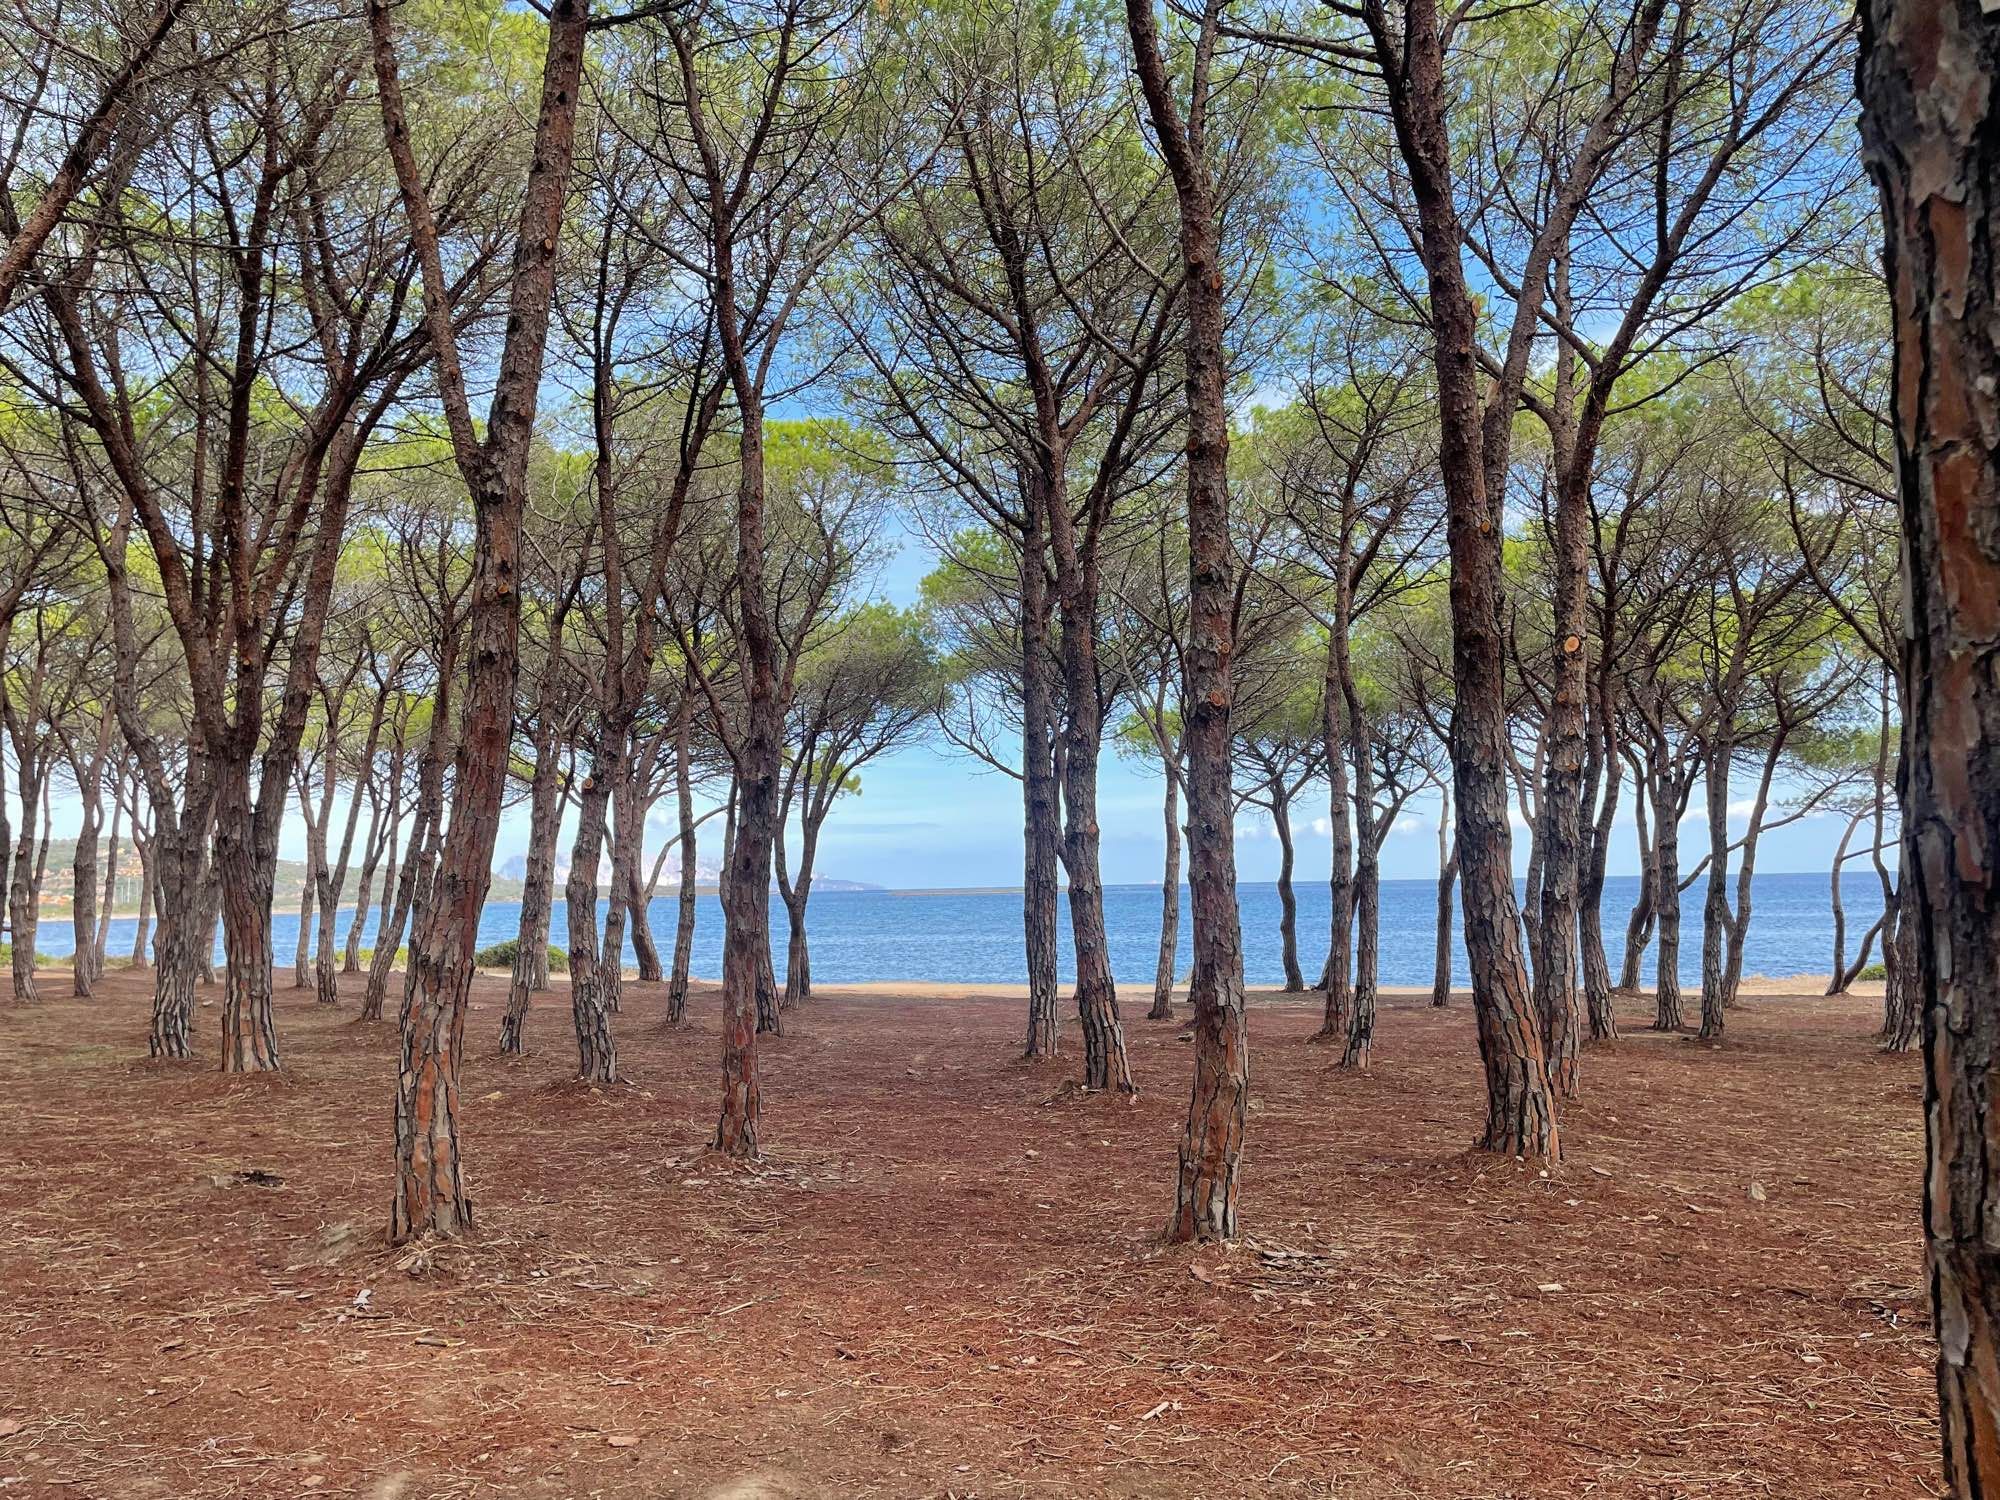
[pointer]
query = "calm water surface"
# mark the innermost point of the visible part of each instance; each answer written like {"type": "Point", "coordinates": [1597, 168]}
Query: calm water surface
{"type": "Point", "coordinates": [974, 937]}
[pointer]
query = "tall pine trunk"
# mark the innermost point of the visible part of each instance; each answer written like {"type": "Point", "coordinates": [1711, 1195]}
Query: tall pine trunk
{"type": "Point", "coordinates": [24, 885]}
{"type": "Point", "coordinates": [531, 944]}
{"type": "Point", "coordinates": [1041, 820]}
{"type": "Point", "coordinates": [590, 1003]}
{"type": "Point", "coordinates": [1715, 905]}
{"type": "Point", "coordinates": [1334, 979]}
{"type": "Point", "coordinates": [1288, 901]}
{"type": "Point", "coordinates": [1667, 900]}
{"type": "Point", "coordinates": [1931, 140]}
{"type": "Point", "coordinates": [1212, 1142]}
{"type": "Point", "coordinates": [180, 872]}
{"type": "Point", "coordinates": [1836, 982]}
{"type": "Point", "coordinates": [1640, 921]}
{"type": "Point", "coordinates": [1170, 907]}
{"type": "Point", "coordinates": [1603, 774]}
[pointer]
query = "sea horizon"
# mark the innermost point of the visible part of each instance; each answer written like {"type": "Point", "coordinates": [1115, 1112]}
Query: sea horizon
{"type": "Point", "coordinates": [972, 935]}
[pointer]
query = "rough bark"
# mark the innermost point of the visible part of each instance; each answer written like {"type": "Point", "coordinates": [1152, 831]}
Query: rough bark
{"type": "Point", "coordinates": [748, 990]}
{"type": "Point", "coordinates": [1367, 891]}
{"type": "Point", "coordinates": [1605, 775]}
{"type": "Point", "coordinates": [630, 892]}
{"type": "Point", "coordinates": [1667, 901]}
{"type": "Point", "coordinates": [590, 1005]}
{"type": "Point", "coordinates": [1929, 116]}
{"type": "Point", "coordinates": [1212, 1142]}
{"type": "Point", "coordinates": [1335, 978]}
{"type": "Point", "coordinates": [1041, 820]}
{"type": "Point", "coordinates": [1715, 904]}
{"type": "Point", "coordinates": [430, 1191]}
{"type": "Point", "coordinates": [1521, 1108]}
{"type": "Point", "coordinates": [84, 965]}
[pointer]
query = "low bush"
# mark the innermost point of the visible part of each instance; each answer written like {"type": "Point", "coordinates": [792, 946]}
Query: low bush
{"type": "Point", "coordinates": [501, 956]}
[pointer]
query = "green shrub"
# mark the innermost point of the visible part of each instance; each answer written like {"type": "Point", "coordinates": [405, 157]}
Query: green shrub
{"type": "Point", "coordinates": [1874, 971]}
{"type": "Point", "coordinates": [42, 960]}
{"type": "Point", "coordinates": [501, 956]}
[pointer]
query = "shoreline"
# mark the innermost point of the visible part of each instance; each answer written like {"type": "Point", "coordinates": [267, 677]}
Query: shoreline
{"type": "Point", "coordinates": [1751, 987]}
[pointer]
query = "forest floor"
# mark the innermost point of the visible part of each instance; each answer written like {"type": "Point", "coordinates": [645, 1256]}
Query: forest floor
{"type": "Point", "coordinates": [946, 1279]}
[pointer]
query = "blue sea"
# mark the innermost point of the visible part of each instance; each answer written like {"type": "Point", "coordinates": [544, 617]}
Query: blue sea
{"type": "Point", "coordinates": [974, 937]}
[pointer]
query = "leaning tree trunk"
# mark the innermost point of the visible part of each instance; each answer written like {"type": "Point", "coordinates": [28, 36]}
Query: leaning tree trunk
{"type": "Point", "coordinates": [430, 1195]}
{"type": "Point", "coordinates": [326, 975]}
{"type": "Point", "coordinates": [611, 956]}
{"type": "Point", "coordinates": [1288, 901]}
{"type": "Point", "coordinates": [1170, 907]}
{"type": "Point", "coordinates": [627, 891]}
{"type": "Point", "coordinates": [1835, 982]}
{"type": "Point", "coordinates": [1738, 933]}
{"type": "Point", "coordinates": [1640, 921]}
{"type": "Point", "coordinates": [364, 894]}
{"type": "Point", "coordinates": [1105, 1064]}
{"type": "Point", "coordinates": [590, 1008]}
{"type": "Point", "coordinates": [531, 944]}
{"type": "Point", "coordinates": [1521, 1108]}
{"type": "Point", "coordinates": [1931, 139]}
{"type": "Point", "coordinates": [418, 855]}
{"type": "Point", "coordinates": [1212, 1143]}
{"type": "Point", "coordinates": [1601, 1015]}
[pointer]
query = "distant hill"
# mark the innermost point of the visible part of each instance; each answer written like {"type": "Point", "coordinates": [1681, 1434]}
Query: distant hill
{"type": "Point", "coordinates": [707, 876]}
{"type": "Point", "coordinates": [289, 882]}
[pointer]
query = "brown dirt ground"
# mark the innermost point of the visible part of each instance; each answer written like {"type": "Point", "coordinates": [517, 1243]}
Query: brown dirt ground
{"type": "Point", "coordinates": [945, 1276]}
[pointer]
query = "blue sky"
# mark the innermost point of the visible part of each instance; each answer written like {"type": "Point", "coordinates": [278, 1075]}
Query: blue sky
{"type": "Point", "coordinates": [929, 817]}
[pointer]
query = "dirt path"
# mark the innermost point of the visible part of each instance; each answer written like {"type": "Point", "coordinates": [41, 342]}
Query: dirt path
{"type": "Point", "coordinates": [944, 1279]}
